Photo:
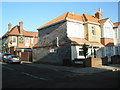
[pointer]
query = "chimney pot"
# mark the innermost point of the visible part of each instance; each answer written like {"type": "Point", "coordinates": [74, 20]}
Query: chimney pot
{"type": "Point", "coordinates": [9, 26]}
{"type": "Point", "coordinates": [99, 14]}
{"type": "Point", "coordinates": [21, 26]}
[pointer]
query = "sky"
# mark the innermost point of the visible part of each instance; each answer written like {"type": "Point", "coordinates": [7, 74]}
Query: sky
{"type": "Point", "coordinates": [36, 14]}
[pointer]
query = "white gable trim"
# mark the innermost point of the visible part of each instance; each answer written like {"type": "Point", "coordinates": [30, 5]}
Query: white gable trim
{"type": "Point", "coordinates": [92, 23]}
{"type": "Point", "coordinates": [110, 22]}
{"type": "Point", "coordinates": [74, 21]}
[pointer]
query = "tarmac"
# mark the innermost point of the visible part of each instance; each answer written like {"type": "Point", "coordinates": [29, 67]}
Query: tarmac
{"type": "Point", "coordinates": [78, 70]}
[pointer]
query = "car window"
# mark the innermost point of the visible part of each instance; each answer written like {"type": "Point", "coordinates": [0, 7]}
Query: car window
{"type": "Point", "coordinates": [9, 56]}
{"type": "Point", "coordinates": [15, 57]}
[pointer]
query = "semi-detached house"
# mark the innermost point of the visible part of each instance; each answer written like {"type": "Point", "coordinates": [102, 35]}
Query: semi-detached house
{"type": "Point", "coordinates": [63, 38]}
{"type": "Point", "coordinates": [18, 41]}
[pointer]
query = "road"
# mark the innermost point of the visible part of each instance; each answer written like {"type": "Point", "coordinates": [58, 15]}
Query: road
{"type": "Point", "coordinates": [28, 76]}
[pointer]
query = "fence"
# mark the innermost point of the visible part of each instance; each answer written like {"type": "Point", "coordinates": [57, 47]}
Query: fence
{"type": "Point", "coordinates": [108, 51]}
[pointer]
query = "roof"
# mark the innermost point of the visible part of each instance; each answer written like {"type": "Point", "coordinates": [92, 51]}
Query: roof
{"type": "Point", "coordinates": [116, 24]}
{"type": "Point", "coordinates": [67, 15]}
{"type": "Point", "coordinates": [90, 18]}
{"type": "Point", "coordinates": [16, 31]}
{"type": "Point", "coordinates": [73, 16]}
{"type": "Point", "coordinates": [103, 20]}
{"type": "Point", "coordinates": [82, 41]}
{"type": "Point", "coordinates": [62, 17]}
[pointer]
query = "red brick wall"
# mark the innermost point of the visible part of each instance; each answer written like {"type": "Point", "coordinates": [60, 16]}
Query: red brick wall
{"type": "Point", "coordinates": [26, 56]}
{"type": "Point", "coordinates": [91, 62]}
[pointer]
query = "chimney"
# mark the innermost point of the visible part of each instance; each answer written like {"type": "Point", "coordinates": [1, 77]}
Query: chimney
{"type": "Point", "coordinates": [99, 14]}
{"type": "Point", "coordinates": [21, 26]}
{"type": "Point", "coordinates": [9, 26]}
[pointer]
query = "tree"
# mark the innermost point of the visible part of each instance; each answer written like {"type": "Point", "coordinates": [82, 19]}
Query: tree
{"type": "Point", "coordinates": [85, 52]}
{"type": "Point", "coordinates": [5, 48]}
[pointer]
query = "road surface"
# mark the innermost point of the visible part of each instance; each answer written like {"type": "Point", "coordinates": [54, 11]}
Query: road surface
{"type": "Point", "coordinates": [30, 76]}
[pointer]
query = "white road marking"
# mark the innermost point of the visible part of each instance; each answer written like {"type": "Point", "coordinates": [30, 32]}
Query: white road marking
{"type": "Point", "coordinates": [7, 68]}
{"type": "Point", "coordinates": [33, 76]}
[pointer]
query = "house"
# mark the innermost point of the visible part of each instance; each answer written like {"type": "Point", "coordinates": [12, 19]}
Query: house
{"type": "Point", "coordinates": [117, 33]}
{"type": "Point", "coordinates": [62, 38]}
{"type": "Point", "coordinates": [17, 41]}
{"type": "Point", "coordinates": [0, 45]}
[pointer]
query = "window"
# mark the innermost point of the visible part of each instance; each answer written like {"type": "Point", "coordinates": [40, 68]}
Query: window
{"type": "Point", "coordinates": [27, 40]}
{"type": "Point", "coordinates": [14, 39]}
{"type": "Point", "coordinates": [93, 30]}
{"type": "Point", "coordinates": [21, 39]}
{"type": "Point", "coordinates": [116, 36]}
{"type": "Point", "coordinates": [53, 51]}
{"type": "Point", "coordinates": [81, 52]}
{"type": "Point", "coordinates": [32, 40]}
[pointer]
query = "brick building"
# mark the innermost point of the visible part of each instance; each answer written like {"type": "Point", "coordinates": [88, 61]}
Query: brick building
{"type": "Point", "coordinates": [17, 41]}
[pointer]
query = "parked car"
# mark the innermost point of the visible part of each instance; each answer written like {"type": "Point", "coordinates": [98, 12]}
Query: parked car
{"type": "Point", "coordinates": [12, 59]}
{"type": "Point", "coordinates": [3, 56]}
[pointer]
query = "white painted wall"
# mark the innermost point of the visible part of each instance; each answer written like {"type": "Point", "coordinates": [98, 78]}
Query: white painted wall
{"type": "Point", "coordinates": [75, 30]}
{"type": "Point", "coordinates": [75, 53]}
{"type": "Point", "coordinates": [108, 31]}
{"type": "Point", "coordinates": [119, 35]}
{"type": "Point", "coordinates": [116, 36]}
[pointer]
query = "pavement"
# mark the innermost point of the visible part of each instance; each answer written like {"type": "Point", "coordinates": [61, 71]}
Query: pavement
{"type": "Point", "coordinates": [78, 70]}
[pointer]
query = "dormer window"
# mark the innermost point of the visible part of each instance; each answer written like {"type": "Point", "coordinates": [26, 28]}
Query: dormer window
{"type": "Point", "coordinates": [93, 30]}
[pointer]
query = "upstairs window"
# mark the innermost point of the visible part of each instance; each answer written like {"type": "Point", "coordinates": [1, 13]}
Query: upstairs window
{"type": "Point", "coordinates": [27, 40]}
{"type": "Point", "coordinates": [21, 40]}
{"type": "Point", "coordinates": [93, 30]}
{"type": "Point", "coordinates": [32, 40]}
{"type": "Point", "coordinates": [14, 39]}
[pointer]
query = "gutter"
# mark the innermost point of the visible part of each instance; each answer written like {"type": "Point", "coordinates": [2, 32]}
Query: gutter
{"type": "Point", "coordinates": [50, 45]}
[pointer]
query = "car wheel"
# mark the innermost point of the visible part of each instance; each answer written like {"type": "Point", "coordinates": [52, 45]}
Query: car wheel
{"type": "Point", "coordinates": [3, 60]}
{"type": "Point", "coordinates": [9, 62]}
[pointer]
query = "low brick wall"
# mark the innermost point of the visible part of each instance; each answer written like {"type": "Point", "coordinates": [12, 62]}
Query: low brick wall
{"type": "Point", "coordinates": [105, 61]}
{"type": "Point", "coordinates": [115, 59]}
{"type": "Point", "coordinates": [26, 56]}
{"type": "Point", "coordinates": [91, 62]}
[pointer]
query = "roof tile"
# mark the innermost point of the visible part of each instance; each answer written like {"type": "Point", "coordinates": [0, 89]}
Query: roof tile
{"type": "Point", "coordinates": [116, 24]}
{"type": "Point", "coordinates": [82, 41]}
{"type": "Point", "coordinates": [16, 31]}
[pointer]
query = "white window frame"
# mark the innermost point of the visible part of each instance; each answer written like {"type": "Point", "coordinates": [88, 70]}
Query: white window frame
{"type": "Point", "coordinates": [93, 30]}
{"type": "Point", "coordinates": [14, 38]}
{"type": "Point", "coordinates": [32, 40]}
{"type": "Point", "coordinates": [27, 41]}
{"type": "Point", "coordinates": [53, 51]}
